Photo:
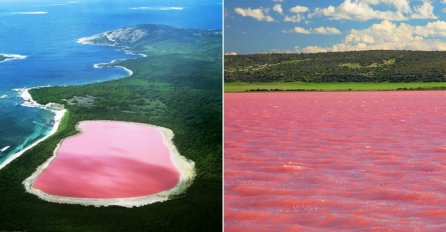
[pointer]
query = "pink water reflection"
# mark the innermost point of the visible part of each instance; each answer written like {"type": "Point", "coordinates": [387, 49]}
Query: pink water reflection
{"type": "Point", "coordinates": [335, 161]}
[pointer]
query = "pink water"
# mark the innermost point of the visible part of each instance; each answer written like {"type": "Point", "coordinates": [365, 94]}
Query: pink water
{"type": "Point", "coordinates": [335, 161]}
{"type": "Point", "coordinates": [110, 160]}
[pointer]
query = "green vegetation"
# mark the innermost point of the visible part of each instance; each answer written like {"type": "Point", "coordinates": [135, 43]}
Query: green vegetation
{"type": "Point", "coordinates": [2, 58]}
{"type": "Point", "coordinates": [331, 86]}
{"type": "Point", "coordinates": [362, 66]}
{"type": "Point", "coordinates": [351, 65]}
{"type": "Point", "coordinates": [180, 91]}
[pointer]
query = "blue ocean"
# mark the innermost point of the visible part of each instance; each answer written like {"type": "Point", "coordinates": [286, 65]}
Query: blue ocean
{"type": "Point", "coordinates": [46, 33]}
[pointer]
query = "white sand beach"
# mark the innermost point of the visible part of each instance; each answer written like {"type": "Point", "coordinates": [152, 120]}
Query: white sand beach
{"type": "Point", "coordinates": [57, 109]}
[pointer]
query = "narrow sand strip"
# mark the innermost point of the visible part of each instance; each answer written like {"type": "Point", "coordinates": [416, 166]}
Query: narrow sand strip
{"type": "Point", "coordinates": [57, 109]}
{"type": "Point", "coordinates": [185, 167]}
{"type": "Point", "coordinates": [111, 64]}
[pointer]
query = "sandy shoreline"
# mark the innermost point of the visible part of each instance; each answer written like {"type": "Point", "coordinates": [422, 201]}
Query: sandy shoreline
{"type": "Point", "coordinates": [57, 109]}
{"type": "Point", "coordinates": [185, 167]}
{"type": "Point", "coordinates": [111, 64]}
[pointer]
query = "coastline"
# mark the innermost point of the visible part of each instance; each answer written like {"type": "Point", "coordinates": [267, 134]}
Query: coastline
{"type": "Point", "coordinates": [58, 110]}
{"type": "Point", "coordinates": [185, 167]}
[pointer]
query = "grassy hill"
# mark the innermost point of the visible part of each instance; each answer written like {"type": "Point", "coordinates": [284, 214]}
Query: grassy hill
{"type": "Point", "coordinates": [360, 66]}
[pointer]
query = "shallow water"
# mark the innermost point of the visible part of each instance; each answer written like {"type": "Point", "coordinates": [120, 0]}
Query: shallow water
{"type": "Point", "coordinates": [335, 161]}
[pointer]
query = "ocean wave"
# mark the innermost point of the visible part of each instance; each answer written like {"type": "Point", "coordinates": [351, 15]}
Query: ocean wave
{"type": "Point", "coordinates": [12, 57]}
{"type": "Point", "coordinates": [86, 40]}
{"type": "Point", "coordinates": [100, 65]}
{"type": "Point", "coordinates": [29, 13]}
{"type": "Point", "coordinates": [163, 8]}
{"type": "Point", "coordinates": [4, 149]}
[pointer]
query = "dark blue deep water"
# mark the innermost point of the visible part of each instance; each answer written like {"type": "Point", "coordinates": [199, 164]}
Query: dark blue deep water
{"type": "Point", "coordinates": [48, 39]}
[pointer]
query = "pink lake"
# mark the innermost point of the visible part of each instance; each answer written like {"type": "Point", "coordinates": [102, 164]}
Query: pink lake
{"type": "Point", "coordinates": [335, 161]}
{"type": "Point", "coordinates": [110, 159]}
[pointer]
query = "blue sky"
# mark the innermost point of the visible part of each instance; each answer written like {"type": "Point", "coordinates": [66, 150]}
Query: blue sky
{"type": "Point", "coordinates": [337, 25]}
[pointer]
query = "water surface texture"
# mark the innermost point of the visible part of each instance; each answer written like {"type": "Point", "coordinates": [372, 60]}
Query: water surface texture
{"type": "Point", "coordinates": [335, 161]}
{"type": "Point", "coordinates": [46, 31]}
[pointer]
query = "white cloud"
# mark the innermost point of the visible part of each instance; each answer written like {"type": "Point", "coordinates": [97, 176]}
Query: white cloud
{"type": "Point", "coordinates": [425, 11]}
{"type": "Point", "coordinates": [314, 49]}
{"type": "Point", "coordinates": [30, 13]}
{"type": "Point", "coordinates": [158, 8]}
{"type": "Point", "coordinates": [259, 14]}
{"type": "Point", "coordinates": [278, 8]}
{"type": "Point", "coordinates": [318, 30]}
{"type": "Point", "coordinates": [299, 9]}
{"type": "Point", "coordinates": [327, 30]}
{"type": "Point", "coordinates": [432, 29]}
{"type": "Point", "coordinates": [390, 36]}
{"type": "Point", "coordinates": [301, 30]}
{"type": "Point", "coordinates": [293, 18]}
{"type": "Point", "coordinates": [364, 10]}
{"type": "Point", "coordinates": [298, 14]}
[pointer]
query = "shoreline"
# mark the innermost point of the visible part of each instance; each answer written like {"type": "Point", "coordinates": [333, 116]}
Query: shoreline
{"type": "Point", "coordinates": [336, 91]}
{"type": "Point", "coordinates": [58, 110]}
{"type": "Point", "coordinates": [111, 64]}
{"type": "Point", "coordinates": [297, 86]}
{"type": "Point", "coordinates": [185, 167]}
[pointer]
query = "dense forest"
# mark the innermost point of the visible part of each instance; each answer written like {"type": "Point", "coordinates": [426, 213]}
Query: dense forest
{"type": "Point", "coordinates": [179, 89]}
{"type": "Point", "coordinates": [356, 66]}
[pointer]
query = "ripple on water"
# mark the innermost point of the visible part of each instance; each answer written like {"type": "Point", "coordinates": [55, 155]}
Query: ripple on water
{"type": "Point", "coordinates": [358, 161]}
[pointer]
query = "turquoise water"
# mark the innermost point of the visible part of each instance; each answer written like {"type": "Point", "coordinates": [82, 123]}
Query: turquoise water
{"type": "Point", "coordinates": [46, 32]}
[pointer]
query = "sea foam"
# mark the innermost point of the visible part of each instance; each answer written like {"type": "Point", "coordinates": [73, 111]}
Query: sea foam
{"type": "Point", "coordinates": [12, 57]}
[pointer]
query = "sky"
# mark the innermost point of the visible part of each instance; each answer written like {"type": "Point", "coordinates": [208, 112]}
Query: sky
{"type": "Point", "coordinates": [266, 26]}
